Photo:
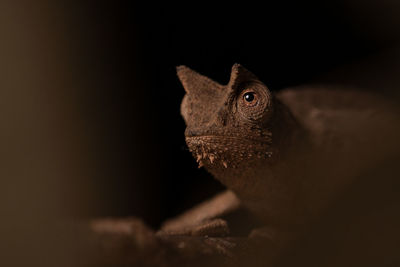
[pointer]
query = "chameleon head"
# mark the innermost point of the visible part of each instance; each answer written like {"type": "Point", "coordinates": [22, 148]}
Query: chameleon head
{"type": "Point", "coordinates": [226, 124]}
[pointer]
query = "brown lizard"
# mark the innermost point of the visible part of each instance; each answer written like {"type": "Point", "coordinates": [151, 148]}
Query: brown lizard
{"type": "Point", "coordinates": [285, 156]}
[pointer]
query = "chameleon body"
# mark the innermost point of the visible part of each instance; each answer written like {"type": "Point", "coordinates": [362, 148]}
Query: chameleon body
{"type": "Point", "coordinates": [285, 157]}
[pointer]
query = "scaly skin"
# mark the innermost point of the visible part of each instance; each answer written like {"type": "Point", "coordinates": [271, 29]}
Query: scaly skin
{"type": "Point", "coordinates": [286, 157]}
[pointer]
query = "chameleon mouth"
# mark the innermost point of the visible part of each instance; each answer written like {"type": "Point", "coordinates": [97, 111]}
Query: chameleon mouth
{"type": "Point", "coordinates": [221, 151]}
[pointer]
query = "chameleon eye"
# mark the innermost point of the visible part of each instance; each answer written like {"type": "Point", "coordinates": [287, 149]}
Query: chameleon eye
{"type": "Point", "coordinates": [254, 102]}
{"type": "Point", "coordinates": [250, 99]}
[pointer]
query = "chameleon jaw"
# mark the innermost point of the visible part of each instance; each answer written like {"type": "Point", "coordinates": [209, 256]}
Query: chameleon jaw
{"type": "Point", "coordinates": [221, 152]}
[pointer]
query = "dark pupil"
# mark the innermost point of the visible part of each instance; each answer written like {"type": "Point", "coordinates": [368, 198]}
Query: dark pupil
{"type": "Point", "coordinates": [249, 97]}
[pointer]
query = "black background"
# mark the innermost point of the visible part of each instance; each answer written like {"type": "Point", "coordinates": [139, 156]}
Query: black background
{"type": "Point", "coordinates": [126, 55]}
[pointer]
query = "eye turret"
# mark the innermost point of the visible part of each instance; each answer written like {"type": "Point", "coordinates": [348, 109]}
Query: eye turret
{"type": "Point", "coordinates": [254, 101]}
{"type": "Point", "coordinates": [250, 98]}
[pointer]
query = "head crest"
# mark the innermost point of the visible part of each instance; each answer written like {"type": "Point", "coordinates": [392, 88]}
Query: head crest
{"type": "Point", "coordinates": [193, 82]}
{"type": "Point", "coordinates": [240, 74]}
{"type": "Point", "coordinates": [196, 84]}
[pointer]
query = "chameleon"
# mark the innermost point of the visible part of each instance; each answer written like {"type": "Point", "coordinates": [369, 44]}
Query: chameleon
{"type": "Point", "coordinates": [285, 157]}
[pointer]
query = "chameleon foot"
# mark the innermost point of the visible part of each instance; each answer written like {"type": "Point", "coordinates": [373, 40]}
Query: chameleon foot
{"type": "Point", "coordinates": [221, 245]}
{"type": "Point", "coordinates": [215, 227]}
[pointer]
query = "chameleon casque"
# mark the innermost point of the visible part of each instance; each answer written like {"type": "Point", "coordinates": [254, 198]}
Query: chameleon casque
{"type": "Point", "coordinates": [285, 157]}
